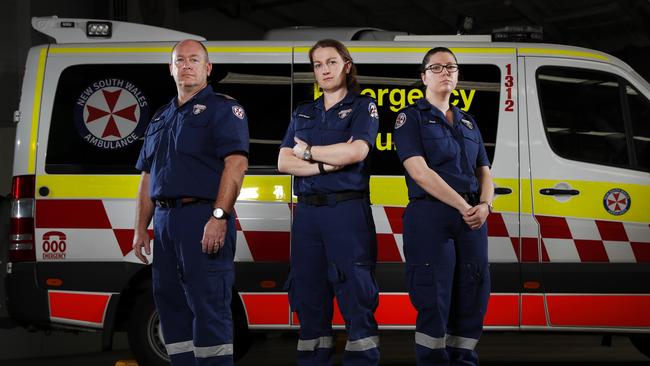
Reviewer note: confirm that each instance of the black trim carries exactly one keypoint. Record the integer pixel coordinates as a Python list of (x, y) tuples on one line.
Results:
[(87, 276), (606, 278), (27, 302), (390, 276)]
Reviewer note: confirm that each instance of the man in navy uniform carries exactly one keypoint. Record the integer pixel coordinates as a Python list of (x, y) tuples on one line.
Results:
[(193, 163)]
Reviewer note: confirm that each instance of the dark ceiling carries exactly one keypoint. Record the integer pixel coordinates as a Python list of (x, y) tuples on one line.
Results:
[(600, 24)]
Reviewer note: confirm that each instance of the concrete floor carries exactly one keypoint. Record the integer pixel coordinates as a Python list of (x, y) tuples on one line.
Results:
[(277, 349)]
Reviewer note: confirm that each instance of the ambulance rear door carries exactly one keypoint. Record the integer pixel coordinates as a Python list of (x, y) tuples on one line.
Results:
[(588, 122)]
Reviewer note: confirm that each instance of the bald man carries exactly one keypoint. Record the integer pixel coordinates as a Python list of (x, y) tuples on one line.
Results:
[(193, 163)]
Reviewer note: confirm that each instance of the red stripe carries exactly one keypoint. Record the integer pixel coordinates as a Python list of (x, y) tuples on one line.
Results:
[(591, 251), (532, 310), (641, 251), (395, 309), (76, 306), (394, 215), (266, 308), (268, 246), (496, 226), (387, 249), (502, 310), (71, 214), (554, 227), (611, 230), (599, 311), (125, 239)]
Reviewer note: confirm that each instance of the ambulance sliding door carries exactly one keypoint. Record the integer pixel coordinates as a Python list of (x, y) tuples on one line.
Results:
[(391, 76), (588, 139), (259, 77)]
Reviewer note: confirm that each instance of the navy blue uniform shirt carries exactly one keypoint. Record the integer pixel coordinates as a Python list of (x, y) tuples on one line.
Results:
[(452, 151), (184, 146), (355, 116)]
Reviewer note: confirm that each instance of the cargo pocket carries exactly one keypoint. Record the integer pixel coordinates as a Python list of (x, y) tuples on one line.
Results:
[(421, 286), (289, 286), (220, 289), (469, 289), (367, 290)]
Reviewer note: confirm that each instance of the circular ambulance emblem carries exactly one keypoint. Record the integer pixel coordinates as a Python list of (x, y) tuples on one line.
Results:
[(111, 113), (617, 201)]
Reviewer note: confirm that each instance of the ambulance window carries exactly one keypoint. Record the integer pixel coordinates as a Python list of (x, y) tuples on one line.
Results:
[(582, 115), (395, 86), (99, 116), (265, 93), (640, 116)]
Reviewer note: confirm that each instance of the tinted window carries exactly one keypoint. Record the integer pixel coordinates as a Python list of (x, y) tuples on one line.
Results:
[(396, 86), (99, 116), (583, 116), (101, 111)]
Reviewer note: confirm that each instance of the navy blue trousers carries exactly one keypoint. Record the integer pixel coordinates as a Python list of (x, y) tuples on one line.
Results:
[(333, 253), (448, 280), (193, 290)]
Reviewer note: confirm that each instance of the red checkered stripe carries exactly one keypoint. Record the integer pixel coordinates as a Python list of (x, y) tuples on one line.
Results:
[(103, 229)]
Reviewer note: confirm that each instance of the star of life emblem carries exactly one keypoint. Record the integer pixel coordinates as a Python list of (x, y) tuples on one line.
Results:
[(111, 113)]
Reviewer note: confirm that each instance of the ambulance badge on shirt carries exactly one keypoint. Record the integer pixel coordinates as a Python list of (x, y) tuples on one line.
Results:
[(372, 110), (467, 123), (238, 111), (198, 108), (401, 119), (344, 113)]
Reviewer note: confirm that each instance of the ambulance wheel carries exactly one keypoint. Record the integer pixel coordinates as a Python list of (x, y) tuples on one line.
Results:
[(642, 343), (144, 334), (242, 339)]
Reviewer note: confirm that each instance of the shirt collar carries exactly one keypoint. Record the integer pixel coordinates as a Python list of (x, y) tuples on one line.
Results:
[(424, 105), (348, 99), (202, 94)]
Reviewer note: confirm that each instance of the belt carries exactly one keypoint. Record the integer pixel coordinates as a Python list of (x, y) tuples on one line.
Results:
[(180, 202), (472, 198), (332, 198)]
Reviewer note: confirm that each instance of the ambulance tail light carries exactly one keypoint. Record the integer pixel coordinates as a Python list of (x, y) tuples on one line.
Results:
[(21, 220)]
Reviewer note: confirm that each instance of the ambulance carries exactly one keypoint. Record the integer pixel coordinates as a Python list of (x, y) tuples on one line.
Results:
[(567, 131)]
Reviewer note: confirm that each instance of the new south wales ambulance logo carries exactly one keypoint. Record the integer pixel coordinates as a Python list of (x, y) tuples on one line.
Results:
[(111, 113), (617, 201)]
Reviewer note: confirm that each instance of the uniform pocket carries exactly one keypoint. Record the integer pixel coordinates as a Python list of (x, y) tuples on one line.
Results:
[(289, 286), (366, 283), (194, 136), (421, 285)]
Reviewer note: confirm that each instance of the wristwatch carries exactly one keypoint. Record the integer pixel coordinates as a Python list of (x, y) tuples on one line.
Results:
[(306, 155), (220, 214)]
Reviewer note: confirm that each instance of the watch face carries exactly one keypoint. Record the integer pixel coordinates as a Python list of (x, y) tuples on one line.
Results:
[(218, 213)]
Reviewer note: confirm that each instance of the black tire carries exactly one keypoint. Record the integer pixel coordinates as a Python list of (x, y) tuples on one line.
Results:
[(642, 343), (144, 335), (147, 344), (242, 339)]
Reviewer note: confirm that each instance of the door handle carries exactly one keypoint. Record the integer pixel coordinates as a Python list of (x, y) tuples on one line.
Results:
[(559, 192), (502, 190)]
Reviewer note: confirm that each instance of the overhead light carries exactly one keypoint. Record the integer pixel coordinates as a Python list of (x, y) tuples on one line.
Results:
[(99, 29)]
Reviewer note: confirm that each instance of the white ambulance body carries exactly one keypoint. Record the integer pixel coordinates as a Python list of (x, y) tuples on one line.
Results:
[(567, 131)]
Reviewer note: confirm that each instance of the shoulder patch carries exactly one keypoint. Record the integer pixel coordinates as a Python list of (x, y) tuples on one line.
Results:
[(238, 111), (401, 120), (372, 110)]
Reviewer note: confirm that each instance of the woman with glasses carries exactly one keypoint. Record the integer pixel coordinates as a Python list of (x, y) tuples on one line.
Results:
[(450, 196), (333, 247)]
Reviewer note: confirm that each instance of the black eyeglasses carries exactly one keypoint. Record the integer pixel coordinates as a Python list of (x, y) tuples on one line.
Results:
[(437, 68)]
